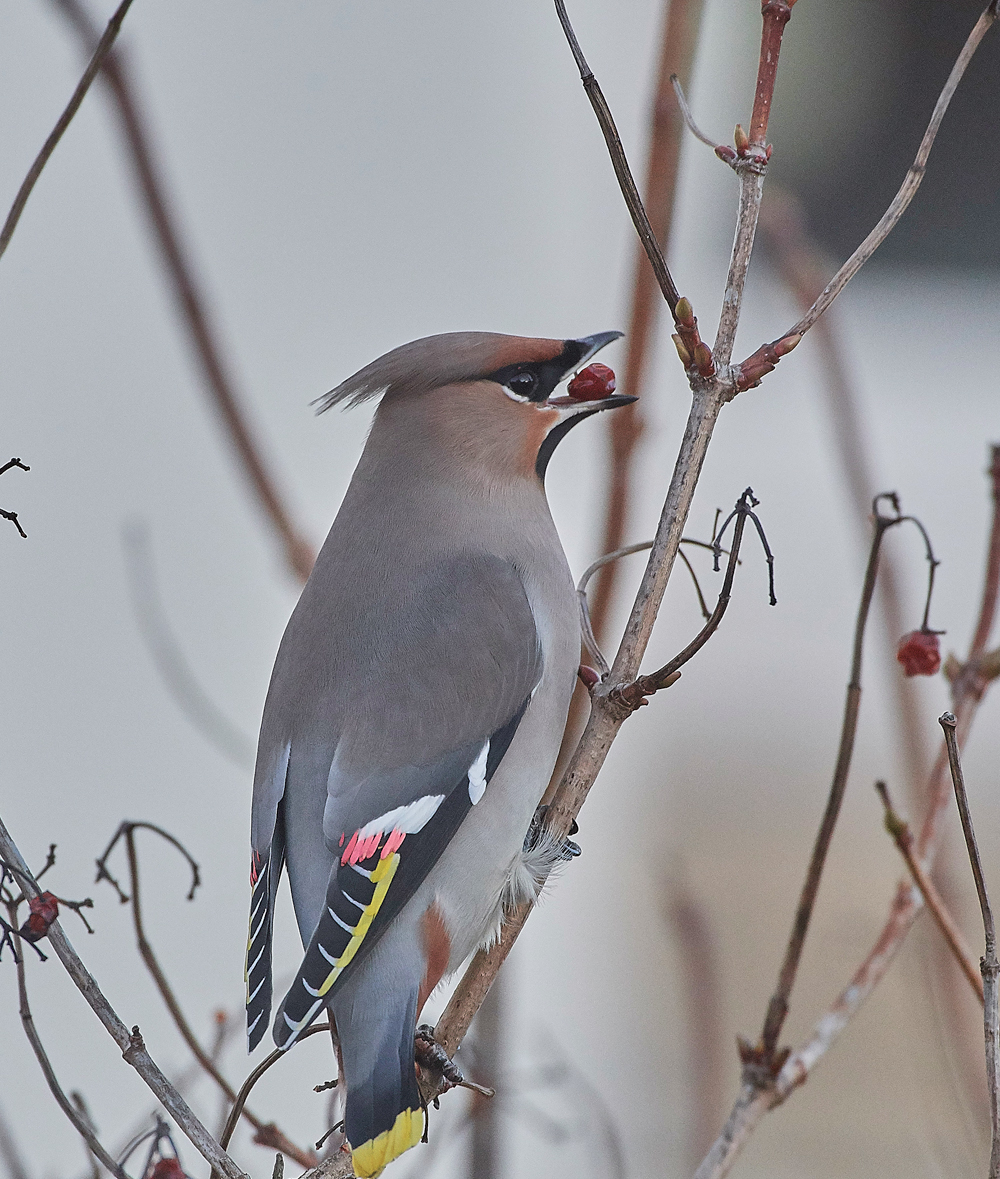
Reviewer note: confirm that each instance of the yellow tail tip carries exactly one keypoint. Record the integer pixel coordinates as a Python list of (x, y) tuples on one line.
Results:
[(371, 1157)]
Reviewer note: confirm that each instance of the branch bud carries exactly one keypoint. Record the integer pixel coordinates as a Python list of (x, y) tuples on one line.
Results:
[(741, 140), (726, 153), (684, 312), (703, 361), (682, 352)]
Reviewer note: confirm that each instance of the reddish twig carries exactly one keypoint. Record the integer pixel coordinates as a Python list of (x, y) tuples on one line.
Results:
[(908, 188), (267, 1133), (100, 51), (191, 299), (776, 14), (899, 829), (679, 40)]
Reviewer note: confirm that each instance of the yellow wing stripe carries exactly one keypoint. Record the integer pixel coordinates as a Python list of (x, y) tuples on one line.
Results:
[(371, 1157), (381, 877)]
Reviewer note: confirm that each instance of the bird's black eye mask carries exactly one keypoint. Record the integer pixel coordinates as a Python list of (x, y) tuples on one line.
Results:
[(536, 382)]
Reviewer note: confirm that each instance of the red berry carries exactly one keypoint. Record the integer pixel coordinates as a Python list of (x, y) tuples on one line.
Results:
[(592, 383), (167, 1169), (919, 653), (44, 910)]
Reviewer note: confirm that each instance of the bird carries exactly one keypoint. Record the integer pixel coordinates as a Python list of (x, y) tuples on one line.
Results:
[(416, 708)]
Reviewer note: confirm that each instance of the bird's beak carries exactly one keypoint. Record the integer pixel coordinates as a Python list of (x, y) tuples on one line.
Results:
[(591, 345)]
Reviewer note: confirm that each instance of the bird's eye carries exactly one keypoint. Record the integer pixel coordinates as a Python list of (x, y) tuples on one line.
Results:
[(522, 384)]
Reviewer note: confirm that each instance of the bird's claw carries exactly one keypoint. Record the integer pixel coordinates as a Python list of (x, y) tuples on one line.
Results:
[(568, 850), (430, 1056)]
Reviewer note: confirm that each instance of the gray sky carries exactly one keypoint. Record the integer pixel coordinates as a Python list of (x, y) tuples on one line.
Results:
[(352, 176)]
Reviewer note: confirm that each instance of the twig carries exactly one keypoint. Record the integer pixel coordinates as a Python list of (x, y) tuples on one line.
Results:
[(765, 1052), (169, 659), (800, 263), (908, 188), (899, 829), (267, 1133), (679, 40), (191, 300), (131, 1043), (619, 161), (760, 1094), (239, 1101), (989, 965), (635, 693), (100, 52), (682, 103), (79, 1122)]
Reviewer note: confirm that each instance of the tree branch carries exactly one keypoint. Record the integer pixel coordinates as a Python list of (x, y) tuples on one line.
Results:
[(899, 829), (989, 965), (191, 300), (131, 1044), (267, 1133), (908, 188), (100, 52)]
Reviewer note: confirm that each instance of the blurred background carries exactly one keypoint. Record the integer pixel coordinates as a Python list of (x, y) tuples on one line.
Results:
[(351, 176)]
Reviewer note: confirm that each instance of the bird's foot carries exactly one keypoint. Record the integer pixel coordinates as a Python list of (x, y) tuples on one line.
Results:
[(567, 850), (431, 1057)]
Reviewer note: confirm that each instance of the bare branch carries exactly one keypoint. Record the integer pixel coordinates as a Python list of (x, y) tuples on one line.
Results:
[(268, 1134), (131, 1043), (989, 965), (101, 51), (908, 188), (681, 24), (722, 150), (760, 1091), (79, 1122), (192, 302), (633, 200), (239, 1100), (766, 1050), (899, 829)]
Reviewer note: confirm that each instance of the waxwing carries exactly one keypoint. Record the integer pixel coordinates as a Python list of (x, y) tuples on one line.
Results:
[(416, 708)]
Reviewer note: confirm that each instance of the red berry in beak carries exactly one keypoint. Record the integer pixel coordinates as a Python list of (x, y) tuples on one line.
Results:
[(592, 383), (919, 653)]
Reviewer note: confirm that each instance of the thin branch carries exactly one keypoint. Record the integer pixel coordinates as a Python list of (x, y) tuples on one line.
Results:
[(801, 265), (267, 1133), (899, 829), (191, 299), (100, 52), (778, 1006), (681, 24), (81, 1108), (725, 152), (761, 1091), (80, 1123), (635, 693), (239, 1100), (619, 161), (131, 1043), (908, 188), (989, 965)]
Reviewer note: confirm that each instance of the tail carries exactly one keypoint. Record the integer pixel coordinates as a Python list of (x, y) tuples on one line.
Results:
[(384, 1115), (265, 871)]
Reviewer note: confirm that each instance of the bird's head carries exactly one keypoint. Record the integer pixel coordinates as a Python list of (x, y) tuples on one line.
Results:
[(490, 400)]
